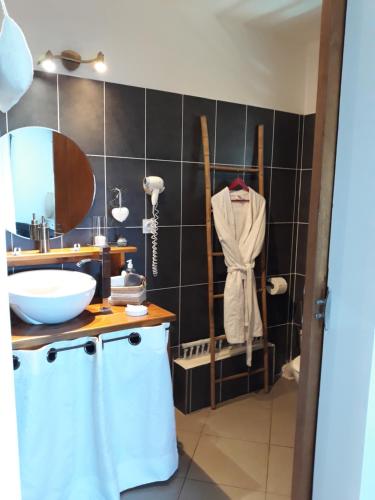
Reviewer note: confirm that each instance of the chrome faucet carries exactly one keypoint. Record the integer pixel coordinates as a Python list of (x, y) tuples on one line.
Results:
[(105, 262)]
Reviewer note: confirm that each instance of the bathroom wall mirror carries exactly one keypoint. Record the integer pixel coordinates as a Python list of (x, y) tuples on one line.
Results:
[(45, 173)]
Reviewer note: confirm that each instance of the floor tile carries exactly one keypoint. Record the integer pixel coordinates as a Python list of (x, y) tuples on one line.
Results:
[(169, 490), (272, 496), (231, 462), (193, 422), (188, 442), (245, 419), (280, 469), (200, 490), (283, 425)]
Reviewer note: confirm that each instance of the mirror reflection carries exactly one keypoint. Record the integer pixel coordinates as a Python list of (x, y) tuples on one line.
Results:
[(45, 174)]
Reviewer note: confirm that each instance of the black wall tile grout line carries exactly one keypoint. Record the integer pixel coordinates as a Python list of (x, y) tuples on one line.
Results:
[(270, 190), (297, 232), (292, 243), (181, 205)]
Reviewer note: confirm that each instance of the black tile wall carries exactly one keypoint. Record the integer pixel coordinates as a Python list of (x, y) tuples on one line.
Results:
[(128, 175), (168, 259), (129, 132), (38, 107), (230, 133), (82, 112), (300, 231), (193, 255), (170, 200), (194, 313), (283, 192), (193, 200), (125, 120), (278, 335), (301, 248), (308, 141), (255, 117), (194, 107), (303, 214), (279, 248), (163, 125), (285, 140)]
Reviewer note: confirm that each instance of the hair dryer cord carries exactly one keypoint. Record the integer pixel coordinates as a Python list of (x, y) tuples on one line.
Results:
[(154, 239)]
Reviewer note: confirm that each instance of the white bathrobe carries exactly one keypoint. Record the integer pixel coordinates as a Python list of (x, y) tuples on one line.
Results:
[(240, 227)]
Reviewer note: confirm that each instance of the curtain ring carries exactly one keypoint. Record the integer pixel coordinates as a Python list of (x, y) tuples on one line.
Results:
[(90, 347), (51, 355), (16, 362), (134, 338)]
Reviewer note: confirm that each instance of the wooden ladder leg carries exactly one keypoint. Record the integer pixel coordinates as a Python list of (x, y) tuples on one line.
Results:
[(263, 262), (211, 319)]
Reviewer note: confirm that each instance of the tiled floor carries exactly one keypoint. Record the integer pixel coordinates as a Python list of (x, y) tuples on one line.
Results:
[(243, 450)]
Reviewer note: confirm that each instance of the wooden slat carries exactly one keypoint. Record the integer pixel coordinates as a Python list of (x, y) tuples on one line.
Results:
[(263, 263), (60, 255), (232, 377), (90, 322), (230, 168), (210, 269), (218, 296), (217, 254), (220, 337)]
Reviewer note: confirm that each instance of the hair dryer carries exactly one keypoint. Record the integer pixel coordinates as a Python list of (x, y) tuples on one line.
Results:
[(153, 185)]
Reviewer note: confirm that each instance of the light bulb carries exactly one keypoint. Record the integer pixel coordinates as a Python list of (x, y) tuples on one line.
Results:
[(47, 63), (99, 65)]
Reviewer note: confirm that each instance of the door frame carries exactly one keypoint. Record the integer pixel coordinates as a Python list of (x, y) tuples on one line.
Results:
[(320, 211)]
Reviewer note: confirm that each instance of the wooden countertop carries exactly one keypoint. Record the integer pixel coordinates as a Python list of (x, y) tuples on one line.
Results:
[(89, 323), (61, 255)]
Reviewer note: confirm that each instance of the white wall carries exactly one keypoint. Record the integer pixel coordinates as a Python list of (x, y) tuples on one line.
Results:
[(181, 46), (311, 76), (345, 438)]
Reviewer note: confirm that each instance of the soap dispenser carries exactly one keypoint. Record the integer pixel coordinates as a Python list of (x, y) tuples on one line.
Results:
[(131, 278)]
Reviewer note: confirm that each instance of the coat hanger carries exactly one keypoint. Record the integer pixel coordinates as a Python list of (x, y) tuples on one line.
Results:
[(238, 182)]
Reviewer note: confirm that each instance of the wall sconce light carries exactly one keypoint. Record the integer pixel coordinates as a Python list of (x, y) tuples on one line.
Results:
[(71, 60)]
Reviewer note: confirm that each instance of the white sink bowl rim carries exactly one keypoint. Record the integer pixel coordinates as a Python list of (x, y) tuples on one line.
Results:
[(50, 295)]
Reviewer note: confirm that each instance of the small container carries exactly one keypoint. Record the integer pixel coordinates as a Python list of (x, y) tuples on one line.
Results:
[(33, 228), (99, 228)]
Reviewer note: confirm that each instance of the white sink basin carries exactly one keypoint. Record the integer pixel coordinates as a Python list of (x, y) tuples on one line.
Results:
[(50, 296)]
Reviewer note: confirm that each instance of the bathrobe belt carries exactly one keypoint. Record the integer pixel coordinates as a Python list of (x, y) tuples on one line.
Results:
[(247, 272)]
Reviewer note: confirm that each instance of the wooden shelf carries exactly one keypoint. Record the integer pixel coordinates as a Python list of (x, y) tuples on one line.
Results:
[(61, 255), (90, 323)]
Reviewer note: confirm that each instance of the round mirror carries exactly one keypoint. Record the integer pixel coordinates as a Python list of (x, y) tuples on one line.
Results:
[(45, 174)]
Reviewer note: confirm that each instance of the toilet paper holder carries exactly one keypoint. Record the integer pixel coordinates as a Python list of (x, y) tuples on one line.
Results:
[(276, 285)]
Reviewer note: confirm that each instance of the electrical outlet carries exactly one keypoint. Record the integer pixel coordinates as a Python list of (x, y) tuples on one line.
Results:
[(147, 226)]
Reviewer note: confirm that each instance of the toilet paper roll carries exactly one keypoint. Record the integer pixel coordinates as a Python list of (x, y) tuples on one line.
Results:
[(277, 286)]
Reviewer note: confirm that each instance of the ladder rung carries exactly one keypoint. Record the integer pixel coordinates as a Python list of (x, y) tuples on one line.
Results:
[(220, 337), (217, 254), (254, 372), (232, 377), (239, 375), (218, 296), (230, 168)]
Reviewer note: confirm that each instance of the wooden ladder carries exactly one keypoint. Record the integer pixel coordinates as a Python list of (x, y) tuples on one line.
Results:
[(259, 170)]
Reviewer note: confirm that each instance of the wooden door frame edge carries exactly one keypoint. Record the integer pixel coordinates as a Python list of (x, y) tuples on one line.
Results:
[(324, 157)]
